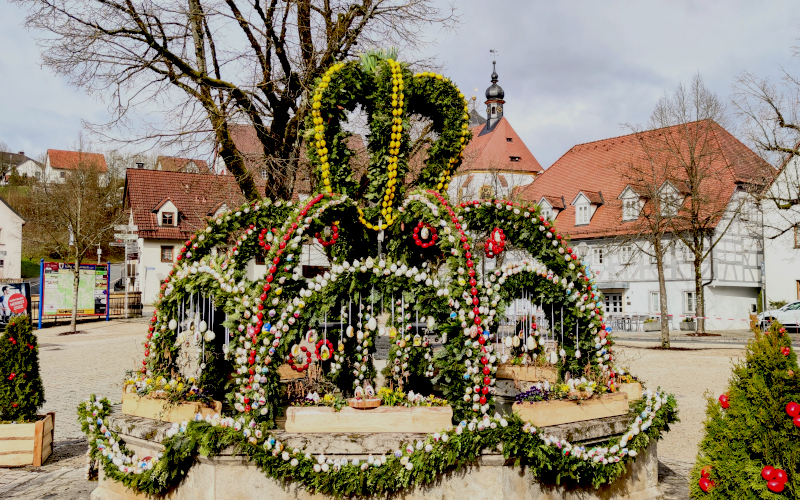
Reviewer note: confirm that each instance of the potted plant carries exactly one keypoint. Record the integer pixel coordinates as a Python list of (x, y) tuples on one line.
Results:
[(652, 325), (688, 325), (25, 437), (574, 401)]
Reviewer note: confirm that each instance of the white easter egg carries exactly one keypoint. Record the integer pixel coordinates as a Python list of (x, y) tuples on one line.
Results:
[(173, 324), (210, 335), (203, 326)]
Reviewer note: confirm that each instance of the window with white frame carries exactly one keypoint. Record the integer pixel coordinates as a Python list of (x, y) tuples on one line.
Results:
[(688, 255), (669, 204), (597, 255), (547, 212), (630, 209), (263, 172), (689, 302), (582, 214), (655, 302), (625, 252)]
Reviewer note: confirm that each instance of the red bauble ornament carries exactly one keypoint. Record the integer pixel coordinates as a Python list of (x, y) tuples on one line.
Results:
[(786, 351), (780, 475), (705, 471), (793, 409), (768, 473), (705, 484), (775, 486), (495, 243), (796, 421), (723, 401)]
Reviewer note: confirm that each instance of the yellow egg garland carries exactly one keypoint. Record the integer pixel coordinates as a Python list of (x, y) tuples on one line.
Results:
[(397, 136)]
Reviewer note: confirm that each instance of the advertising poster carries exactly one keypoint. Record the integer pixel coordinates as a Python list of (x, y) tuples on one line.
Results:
[(15, 300), (59, 291)]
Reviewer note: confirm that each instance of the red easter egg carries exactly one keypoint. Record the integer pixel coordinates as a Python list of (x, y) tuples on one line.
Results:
[(768, 473), (780, 475), (796, 421), (793, 409), (704, 484), (775, 486)]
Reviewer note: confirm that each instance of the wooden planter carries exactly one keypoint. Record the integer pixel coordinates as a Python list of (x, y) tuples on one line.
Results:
[(324, 419), (160, 409), (633, 390), (27, 444), (527, 373), (545, 413)]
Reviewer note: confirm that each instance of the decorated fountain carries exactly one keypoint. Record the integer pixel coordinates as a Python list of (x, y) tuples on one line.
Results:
[(498, 378)]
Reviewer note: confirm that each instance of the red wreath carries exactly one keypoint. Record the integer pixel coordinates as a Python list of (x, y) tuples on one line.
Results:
[(334, 236), (432, 237), (492, 248), (290, 361), (330, 348), (262, 235)]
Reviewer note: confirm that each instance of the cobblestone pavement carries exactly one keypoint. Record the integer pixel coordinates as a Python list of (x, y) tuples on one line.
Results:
[(75, 366)]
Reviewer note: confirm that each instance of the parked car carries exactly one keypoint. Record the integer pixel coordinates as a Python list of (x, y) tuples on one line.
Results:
[(788, 316)]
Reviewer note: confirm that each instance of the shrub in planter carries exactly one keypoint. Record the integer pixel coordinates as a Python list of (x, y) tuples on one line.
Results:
[(751, 448), (21, 389)]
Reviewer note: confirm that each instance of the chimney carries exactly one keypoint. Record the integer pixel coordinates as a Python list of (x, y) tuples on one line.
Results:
[(22, 153), (139, 165)]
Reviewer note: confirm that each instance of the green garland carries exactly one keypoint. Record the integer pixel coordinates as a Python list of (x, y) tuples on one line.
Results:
[(550, 463)]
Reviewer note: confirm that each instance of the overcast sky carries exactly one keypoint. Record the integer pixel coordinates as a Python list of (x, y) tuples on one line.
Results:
[(573, 71)]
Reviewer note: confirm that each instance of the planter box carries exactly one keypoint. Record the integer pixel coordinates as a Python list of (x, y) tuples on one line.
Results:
[(688, 326), (27, 444), (323, 419), (545, 413), (633, 390), (526, 373), (652, 327), (160, 409)]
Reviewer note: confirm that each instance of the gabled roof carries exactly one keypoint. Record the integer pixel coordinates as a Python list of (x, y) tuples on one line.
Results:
[(15, 159), (554, 201), (195, 195), (4, 202), (164, 202), (594, 197), (600, 166), (72, 160), (175, 164), (493, 151)]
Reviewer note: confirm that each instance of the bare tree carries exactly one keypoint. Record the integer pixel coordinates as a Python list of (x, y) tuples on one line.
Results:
[(209, 64), (698, 194), (72, 217), (646, 229)]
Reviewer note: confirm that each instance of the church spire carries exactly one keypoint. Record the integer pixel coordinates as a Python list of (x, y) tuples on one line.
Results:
[(494, 102)]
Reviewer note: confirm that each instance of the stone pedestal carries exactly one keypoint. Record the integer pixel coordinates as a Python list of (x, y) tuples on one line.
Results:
[(228, 477)]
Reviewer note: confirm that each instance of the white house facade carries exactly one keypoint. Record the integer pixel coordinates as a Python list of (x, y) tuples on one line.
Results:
[(10, 242), (782, 236)]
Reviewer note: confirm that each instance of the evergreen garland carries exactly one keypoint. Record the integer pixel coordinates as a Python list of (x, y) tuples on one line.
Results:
[(21, 389)]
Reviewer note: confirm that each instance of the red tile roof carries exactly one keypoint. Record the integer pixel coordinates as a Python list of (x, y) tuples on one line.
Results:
[(175, 164), (493, 151), (72, 160), (600, 166), (197, 196)]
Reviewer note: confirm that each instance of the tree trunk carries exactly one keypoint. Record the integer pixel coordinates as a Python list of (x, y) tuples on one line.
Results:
[(76, 279), (699, 305), (662, 293)]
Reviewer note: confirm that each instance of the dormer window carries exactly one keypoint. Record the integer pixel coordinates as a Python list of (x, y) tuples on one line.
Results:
[(582, 214), (547, 212), (514, 158), (167, 218), (630, 209), (509, 139)]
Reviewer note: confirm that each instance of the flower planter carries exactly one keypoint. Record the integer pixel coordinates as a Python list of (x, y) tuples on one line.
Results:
[(688, 326), (27, 444), (633, 390), (545, 413), (527, 373), (652, 327), (160, 409), (324, 419)]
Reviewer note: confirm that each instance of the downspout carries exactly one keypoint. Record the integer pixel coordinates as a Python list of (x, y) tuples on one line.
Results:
[(704, 285)]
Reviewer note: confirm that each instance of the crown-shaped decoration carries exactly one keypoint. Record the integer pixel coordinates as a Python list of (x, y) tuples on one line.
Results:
[(388, 93)]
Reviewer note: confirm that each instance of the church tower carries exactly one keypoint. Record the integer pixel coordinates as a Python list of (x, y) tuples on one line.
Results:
[(494, 102)]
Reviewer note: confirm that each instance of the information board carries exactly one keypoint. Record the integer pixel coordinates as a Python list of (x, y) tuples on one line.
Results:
[(59, 288)]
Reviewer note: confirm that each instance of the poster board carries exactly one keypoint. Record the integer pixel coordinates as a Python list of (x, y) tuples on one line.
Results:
[(59, 289), (15, 300)]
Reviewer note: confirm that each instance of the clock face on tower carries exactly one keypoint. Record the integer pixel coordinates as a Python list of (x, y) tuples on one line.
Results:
[(488, 110), (499, 109)]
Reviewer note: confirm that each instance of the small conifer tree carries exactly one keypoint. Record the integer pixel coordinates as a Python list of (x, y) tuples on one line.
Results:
[(21, 389), (751, 447)]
